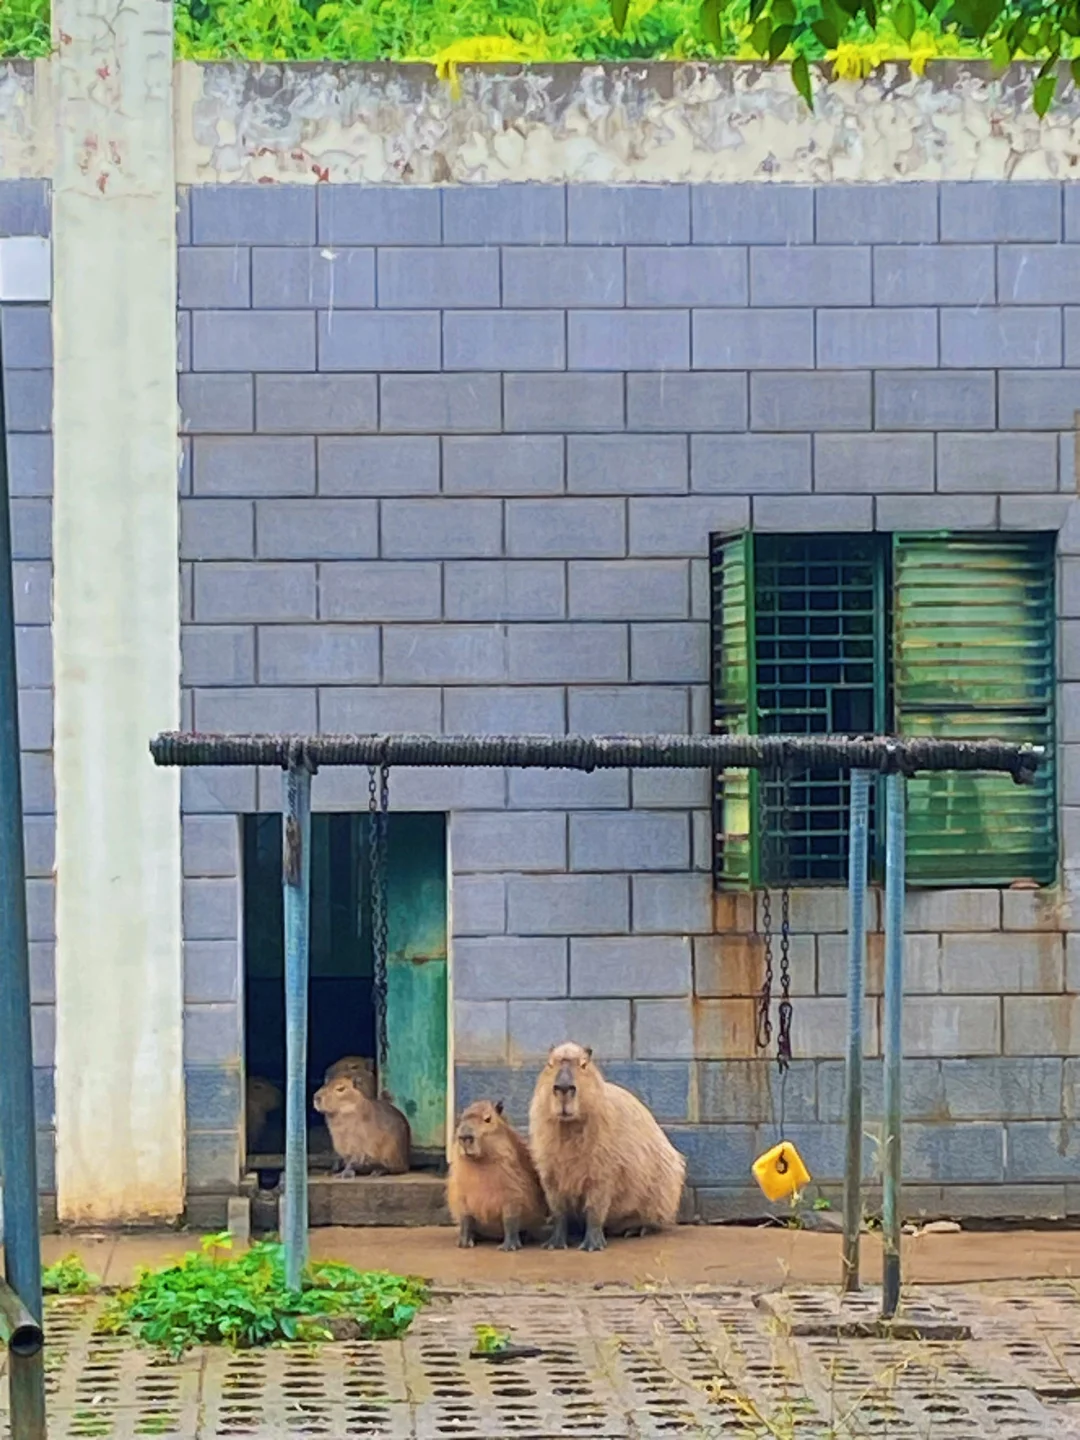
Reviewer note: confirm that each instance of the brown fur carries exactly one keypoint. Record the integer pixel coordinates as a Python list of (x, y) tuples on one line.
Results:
[(599, 1152), (369, 1135), (262, 1099), (493, 1190), (359, 1069)]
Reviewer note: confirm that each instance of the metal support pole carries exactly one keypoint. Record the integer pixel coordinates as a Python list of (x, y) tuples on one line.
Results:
[(18, 1139), (296, 880), (893, 1020), (856, 989), (22, 1335)]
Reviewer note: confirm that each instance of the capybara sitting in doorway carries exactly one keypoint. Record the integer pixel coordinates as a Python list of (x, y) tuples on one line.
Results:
[(358, 1068), (600, 1154), (493, 1191), (371, 1136)]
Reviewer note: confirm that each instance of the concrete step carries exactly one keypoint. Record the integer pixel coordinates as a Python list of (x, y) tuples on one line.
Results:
[(414, 1199)]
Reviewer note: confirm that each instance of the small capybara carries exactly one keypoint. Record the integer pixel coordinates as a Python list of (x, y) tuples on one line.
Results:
[(493, 1189), (358, 1068), (371, 1136), (600, 1154), (262, 1099)]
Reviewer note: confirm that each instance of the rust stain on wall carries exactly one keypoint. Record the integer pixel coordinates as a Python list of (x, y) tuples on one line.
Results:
[(728, 965), (724, 1029), (733, 912)]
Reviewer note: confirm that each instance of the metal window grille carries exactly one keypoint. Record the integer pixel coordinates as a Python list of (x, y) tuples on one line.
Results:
[(820, 663)]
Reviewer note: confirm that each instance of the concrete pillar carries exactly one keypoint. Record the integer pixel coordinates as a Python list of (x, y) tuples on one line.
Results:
[(119, 1066)]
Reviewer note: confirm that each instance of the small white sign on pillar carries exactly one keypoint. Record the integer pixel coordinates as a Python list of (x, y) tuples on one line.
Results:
[(25, 269)]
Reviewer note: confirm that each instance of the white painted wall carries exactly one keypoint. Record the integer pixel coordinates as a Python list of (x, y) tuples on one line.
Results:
[(609, 124), (119, 1068)]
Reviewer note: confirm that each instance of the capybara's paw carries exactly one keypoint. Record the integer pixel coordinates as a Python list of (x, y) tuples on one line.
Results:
[(511, 1242), (465, 1242), (557, 1242), (592, 1243)]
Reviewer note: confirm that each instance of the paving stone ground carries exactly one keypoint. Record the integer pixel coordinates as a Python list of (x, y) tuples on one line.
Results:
[(611, 1363)]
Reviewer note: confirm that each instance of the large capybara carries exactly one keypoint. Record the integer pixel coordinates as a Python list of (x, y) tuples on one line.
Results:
[(261, 1100), (359, 1068), (371, 1136), (600, 1154), (493, 1190)]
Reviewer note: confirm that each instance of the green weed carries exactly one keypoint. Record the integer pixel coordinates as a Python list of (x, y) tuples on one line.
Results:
[(490, 1340), (212, 1297), (68, 1276)]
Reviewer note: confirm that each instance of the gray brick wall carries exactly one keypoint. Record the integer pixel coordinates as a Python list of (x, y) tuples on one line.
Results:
[(454, 460), (27, 346)]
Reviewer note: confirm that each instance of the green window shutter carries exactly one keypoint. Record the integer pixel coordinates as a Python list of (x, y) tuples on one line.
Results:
[(732, 662), (973, 654)]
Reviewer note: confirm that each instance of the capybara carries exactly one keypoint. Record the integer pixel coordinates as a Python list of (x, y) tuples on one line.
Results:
[(371, 1136), (600, 1154), (262, 1099), (359, 1068), (493, 1189)]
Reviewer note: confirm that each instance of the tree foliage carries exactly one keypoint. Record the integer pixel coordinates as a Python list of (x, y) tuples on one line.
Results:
[(1004, 30), (852, 36)]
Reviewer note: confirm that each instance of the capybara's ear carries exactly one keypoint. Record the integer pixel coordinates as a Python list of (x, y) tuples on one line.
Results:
[(588, 1053), (499, 1106)]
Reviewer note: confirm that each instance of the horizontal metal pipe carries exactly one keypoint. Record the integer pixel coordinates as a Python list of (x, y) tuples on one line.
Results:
[(882, 754), (19, 1331)]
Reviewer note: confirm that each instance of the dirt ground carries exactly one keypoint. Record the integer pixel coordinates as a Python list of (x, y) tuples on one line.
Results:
[(689, 1255)]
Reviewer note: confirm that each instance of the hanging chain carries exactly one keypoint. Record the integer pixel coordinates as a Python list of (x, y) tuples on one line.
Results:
[(378, 803), (763, 1018), (783, 1037)]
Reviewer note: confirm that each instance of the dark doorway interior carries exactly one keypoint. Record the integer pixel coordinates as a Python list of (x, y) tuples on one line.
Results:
[(341, 1016)]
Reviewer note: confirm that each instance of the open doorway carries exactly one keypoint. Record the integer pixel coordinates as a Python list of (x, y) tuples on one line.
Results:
[(341, 1001)]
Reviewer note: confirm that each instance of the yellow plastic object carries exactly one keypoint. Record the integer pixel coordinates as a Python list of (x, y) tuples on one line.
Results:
[(780, 1171)]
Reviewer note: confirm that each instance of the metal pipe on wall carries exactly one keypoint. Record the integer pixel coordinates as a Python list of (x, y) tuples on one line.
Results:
[(18, 1137), (296, 882), (856, 988), (893, 1041)]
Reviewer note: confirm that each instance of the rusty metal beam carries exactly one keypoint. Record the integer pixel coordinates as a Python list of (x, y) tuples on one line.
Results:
[(880, 754)]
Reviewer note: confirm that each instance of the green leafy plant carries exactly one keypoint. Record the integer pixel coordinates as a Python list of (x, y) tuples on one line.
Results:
[(24, 28), (68, 1276), (490, 1340), (212, 1297)]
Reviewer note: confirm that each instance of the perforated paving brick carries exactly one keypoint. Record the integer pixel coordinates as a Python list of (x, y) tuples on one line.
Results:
[(562, 1391), (824, 1311), (613, 1364)]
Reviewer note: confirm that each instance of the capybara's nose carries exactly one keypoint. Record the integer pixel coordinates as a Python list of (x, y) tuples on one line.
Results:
[(565, 1090)]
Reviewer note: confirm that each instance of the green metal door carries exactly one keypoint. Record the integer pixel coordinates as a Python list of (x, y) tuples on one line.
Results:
[(416, 999)]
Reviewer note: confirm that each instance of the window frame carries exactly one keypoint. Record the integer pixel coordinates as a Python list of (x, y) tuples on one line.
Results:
[(735, 708)]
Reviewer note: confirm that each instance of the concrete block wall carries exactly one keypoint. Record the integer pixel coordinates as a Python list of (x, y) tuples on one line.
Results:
[(453, 458), (27, 350)]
